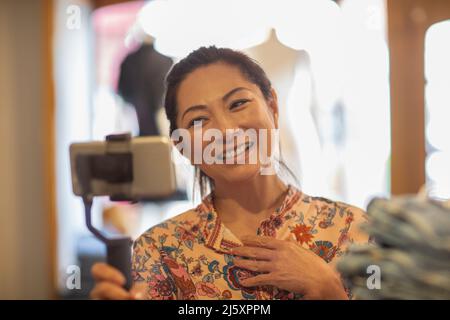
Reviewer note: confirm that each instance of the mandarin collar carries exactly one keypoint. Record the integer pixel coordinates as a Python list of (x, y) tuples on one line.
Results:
[(218, 237)]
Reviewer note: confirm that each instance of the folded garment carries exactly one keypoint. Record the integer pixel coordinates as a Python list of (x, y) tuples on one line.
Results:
[(411, 250)]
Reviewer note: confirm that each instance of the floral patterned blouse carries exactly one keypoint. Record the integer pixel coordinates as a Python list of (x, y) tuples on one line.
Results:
[(188, 256)]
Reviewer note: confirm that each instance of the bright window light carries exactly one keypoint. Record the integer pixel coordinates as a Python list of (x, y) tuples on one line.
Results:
[(437, 95)]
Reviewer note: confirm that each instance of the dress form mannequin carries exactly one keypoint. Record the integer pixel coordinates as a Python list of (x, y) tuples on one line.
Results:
[(141, 84), (279, 62)]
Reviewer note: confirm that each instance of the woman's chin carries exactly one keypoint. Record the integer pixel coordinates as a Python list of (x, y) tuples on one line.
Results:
[(237, 172)]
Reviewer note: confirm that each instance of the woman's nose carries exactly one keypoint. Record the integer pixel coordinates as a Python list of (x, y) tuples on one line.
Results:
[(225, 124)]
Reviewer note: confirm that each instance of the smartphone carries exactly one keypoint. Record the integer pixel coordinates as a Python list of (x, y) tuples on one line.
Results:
[(139, 168)]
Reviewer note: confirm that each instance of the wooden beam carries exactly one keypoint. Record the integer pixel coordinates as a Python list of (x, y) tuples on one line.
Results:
[(49, 184)]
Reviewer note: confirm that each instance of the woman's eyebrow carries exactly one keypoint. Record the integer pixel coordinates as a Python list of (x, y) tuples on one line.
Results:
[(193, 108), (231, 92)]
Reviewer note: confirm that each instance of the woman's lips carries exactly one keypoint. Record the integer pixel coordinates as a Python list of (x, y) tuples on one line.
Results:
[(235, 152)]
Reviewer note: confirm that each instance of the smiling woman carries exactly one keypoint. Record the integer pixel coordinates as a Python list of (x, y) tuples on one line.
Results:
[(240, 91), (254, 236)]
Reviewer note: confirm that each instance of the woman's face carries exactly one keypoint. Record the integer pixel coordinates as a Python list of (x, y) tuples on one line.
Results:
[(219, 97)]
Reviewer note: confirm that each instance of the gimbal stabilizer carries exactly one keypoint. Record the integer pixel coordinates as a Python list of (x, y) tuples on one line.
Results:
[(114, 167)]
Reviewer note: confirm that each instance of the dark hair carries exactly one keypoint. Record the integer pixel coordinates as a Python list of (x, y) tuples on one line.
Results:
[(205, 56)]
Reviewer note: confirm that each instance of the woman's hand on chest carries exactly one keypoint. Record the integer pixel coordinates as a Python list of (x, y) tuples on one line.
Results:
[(287, 265)]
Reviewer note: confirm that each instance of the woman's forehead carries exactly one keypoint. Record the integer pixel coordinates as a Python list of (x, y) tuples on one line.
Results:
[(210, 83)]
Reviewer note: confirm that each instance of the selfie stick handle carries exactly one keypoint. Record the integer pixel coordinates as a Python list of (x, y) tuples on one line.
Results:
[(118, 255), (118, 250)]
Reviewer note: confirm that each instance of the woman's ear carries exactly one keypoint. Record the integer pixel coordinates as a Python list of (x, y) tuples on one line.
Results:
[(273, 105)]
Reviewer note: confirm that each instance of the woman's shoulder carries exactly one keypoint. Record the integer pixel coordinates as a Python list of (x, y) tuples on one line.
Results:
[(327, 205), (342, 217), (323, 204)]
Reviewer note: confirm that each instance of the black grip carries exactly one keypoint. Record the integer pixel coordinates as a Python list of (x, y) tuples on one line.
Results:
[(119, 256)]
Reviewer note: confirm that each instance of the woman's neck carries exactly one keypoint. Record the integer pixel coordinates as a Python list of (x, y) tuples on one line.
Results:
[(255, 198)]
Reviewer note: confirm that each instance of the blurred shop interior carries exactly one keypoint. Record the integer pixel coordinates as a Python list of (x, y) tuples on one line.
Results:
[(363, 88)]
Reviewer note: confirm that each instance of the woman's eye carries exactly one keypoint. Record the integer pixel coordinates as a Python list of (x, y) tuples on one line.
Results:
[(196, 121), (238, 103)]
